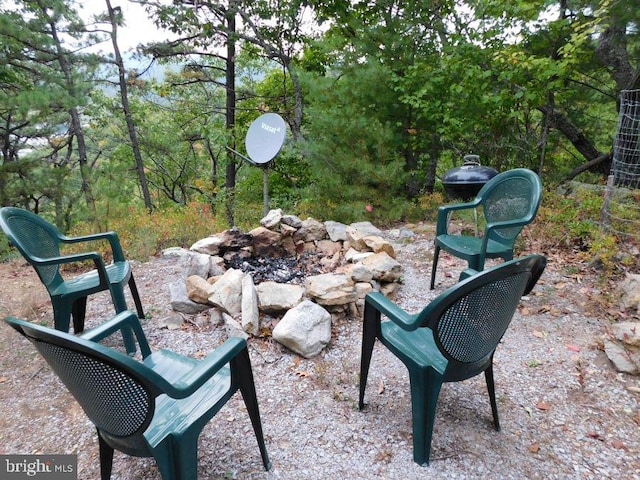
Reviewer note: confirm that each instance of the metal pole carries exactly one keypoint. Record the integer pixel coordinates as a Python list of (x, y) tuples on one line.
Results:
[(604, 213), (265, 189)]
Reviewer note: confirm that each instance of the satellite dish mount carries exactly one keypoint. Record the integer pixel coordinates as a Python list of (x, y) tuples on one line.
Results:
[(263, 142)]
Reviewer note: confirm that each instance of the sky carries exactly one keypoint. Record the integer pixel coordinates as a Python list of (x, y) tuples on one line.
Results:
[(138, 27)]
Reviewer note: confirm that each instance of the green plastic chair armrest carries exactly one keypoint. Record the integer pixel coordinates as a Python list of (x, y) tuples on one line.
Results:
[(466, 273), (116, 324), (444, 210), (397, 315), (206, 368), (112, 237), (77, 257)]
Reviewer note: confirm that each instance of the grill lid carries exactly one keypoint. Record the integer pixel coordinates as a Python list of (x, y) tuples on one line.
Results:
[(471, 172)]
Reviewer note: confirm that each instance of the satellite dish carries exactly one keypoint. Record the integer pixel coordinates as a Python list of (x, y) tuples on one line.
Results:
[(265, 138)]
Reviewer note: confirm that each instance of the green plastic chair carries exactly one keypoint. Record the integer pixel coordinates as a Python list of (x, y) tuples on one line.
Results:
[(39, 243), (452, 339), (156, 407), (509, 201)]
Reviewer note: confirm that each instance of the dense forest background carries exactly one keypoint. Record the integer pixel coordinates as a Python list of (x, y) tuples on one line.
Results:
[(380, 97)]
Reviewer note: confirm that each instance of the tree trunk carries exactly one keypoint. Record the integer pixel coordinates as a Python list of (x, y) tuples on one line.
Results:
[(577, 138), (230, 116), (76, 124), (124, 97)]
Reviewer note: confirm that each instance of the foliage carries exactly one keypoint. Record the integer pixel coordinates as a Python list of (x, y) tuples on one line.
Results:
[(571, 223), (143, 235)]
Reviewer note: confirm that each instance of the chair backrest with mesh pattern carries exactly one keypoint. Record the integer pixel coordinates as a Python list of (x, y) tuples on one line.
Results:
[(116, 399), (33, 237), (470, 318), (511, 195), (470, 329)]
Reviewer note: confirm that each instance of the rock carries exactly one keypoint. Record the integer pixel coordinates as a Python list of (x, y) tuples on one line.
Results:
[(328, 248), (362, 288), (337, 231), (226, 293), (209, 245), (384, 268), (390, 290), (623, 347), (215, 316), (292, 221), (311, 230), (357, 271), (630, 292), (233, 327), (234, 239), (366, 228), (216, 266), (355, 256), (355, 239), (180, 301), (272, 219), (266, 243), (170, 322), (378, 244), (276, 297), (627, 333), (331, 289), (197, 264), (198, 289), (305, 329), (250, 313), (620, 358), (175, 252)]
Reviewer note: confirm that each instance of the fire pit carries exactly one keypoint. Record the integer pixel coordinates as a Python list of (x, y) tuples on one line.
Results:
[(466, 181), (277, 269)]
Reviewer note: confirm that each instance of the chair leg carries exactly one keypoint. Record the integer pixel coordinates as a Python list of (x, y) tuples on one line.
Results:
[(61, 316), (106, 458), (436, 254), (425, 390), (370, 330), (136, 297), (120, 304), (177, 457), (488, 375), (243, 377), (78, 311)]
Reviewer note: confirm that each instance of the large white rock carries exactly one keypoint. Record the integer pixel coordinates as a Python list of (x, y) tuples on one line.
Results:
[(305, 329)]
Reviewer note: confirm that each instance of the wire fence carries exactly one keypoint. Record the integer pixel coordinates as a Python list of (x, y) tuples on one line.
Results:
[(621, 208)]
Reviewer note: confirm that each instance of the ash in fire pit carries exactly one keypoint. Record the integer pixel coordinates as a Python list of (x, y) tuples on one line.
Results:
[(292, 269)]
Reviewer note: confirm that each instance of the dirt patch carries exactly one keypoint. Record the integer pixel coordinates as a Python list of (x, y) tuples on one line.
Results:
[(565, 412)]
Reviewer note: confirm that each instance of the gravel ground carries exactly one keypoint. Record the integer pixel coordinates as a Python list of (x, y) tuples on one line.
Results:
[(565, 413)]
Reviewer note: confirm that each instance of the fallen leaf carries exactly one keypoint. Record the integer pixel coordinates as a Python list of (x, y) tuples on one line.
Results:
[(595, 435), (534, 447), (543, 405), (573, 348), (539, 334), (3, 379), (380, 387), (618, 444)]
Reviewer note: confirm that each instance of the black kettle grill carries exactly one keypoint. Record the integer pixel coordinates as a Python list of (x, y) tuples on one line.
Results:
[(466, 181)]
